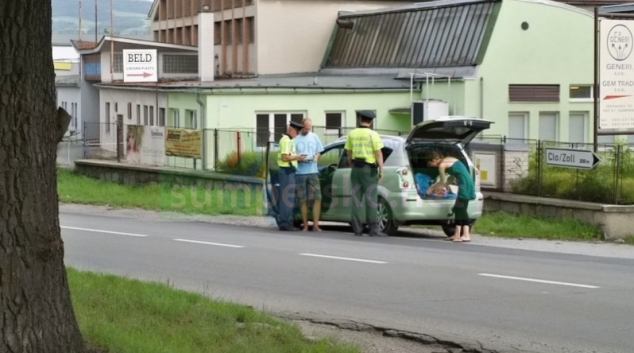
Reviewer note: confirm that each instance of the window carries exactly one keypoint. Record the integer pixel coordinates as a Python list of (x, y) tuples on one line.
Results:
[(138, 114), (227, 31), (176, 118), (331, 156), (217, 33), (334, 123), (117, 61), (272, 126), (145, 115), (577, 127), (239, 31), (581, 93), (534, 93), (107, 117), (161, 117), (192, 121), (548, 126), (518, 123), (129, 111), (151, 115), (74, 115), (251, 29), (180, 64)]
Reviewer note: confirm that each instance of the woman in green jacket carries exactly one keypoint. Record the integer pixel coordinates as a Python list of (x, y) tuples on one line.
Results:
[(466, 191)]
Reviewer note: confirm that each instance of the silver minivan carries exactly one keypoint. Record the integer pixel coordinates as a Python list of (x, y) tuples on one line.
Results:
[(402, 200)]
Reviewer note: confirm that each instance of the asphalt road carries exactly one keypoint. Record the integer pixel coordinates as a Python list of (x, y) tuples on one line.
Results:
[(502, 298)]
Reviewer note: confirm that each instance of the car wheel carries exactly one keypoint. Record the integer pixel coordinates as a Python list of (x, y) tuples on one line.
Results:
[(386, 218), (450, 229)]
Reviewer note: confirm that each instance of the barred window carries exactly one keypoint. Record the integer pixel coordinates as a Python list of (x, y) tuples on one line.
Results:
[(117, 63), (180, 64)]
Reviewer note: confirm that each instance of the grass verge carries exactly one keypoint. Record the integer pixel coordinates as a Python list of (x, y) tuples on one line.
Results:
[(73, 188), (122, 315), (501, 224)]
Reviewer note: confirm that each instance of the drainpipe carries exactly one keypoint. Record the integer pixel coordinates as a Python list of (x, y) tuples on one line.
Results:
[(481, 98), (203, 125)]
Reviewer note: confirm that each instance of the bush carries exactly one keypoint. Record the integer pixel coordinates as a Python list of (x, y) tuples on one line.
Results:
[(595, 185), (249, 164)]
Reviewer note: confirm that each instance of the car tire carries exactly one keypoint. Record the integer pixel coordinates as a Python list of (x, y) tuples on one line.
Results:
[(386, 218), (450, 228)]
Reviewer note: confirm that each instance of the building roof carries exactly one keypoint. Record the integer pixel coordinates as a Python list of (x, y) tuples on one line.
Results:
[(446, 33), (120, 42), (306, 81)]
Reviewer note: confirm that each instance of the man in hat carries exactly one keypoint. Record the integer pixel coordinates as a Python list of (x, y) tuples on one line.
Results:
[(287, 162), (364, 154)]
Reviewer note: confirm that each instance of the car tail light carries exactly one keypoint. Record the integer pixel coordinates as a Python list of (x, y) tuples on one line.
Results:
[(405, 178)]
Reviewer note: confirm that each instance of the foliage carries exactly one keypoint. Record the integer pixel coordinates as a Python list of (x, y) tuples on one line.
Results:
[(597, 185), (127, 315), (249, 164)]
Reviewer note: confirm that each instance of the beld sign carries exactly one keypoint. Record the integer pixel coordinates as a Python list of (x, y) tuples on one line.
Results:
[(140, 65)]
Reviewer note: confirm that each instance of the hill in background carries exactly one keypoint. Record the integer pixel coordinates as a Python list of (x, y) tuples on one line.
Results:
[(130, 17)]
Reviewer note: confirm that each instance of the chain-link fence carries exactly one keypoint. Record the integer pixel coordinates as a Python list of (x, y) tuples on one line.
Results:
[(562, 169)]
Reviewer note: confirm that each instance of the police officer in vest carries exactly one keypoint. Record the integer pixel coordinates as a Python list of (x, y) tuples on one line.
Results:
[(364, 154), (287, 162)]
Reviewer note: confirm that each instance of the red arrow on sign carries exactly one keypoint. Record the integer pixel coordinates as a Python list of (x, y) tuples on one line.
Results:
[(145, 74), (615, 97)]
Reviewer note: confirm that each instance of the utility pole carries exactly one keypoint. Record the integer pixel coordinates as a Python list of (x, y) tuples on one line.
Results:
[(96, 23), (80, 20), (111, 42)]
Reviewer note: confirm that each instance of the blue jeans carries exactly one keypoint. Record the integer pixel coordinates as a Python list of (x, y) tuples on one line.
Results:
[(287, 200)]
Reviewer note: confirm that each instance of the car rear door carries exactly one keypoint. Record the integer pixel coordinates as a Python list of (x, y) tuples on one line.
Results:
[(271, 186)]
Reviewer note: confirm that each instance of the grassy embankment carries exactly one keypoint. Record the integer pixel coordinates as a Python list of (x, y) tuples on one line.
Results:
[(118, 315), (73, 188)]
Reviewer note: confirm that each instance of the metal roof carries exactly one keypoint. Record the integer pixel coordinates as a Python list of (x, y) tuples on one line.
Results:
[(307, 81), (447, 33)]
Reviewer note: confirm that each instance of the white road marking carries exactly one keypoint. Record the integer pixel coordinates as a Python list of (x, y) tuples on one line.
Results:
[(208, 243), (344, 258), (104, 231), (539, 281)]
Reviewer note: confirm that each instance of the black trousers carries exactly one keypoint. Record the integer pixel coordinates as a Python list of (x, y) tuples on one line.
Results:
[(460, 211), (363, 181)]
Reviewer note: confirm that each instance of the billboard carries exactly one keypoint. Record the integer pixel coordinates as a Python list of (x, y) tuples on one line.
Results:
[(145, 145), (183, 143), (616, 77)]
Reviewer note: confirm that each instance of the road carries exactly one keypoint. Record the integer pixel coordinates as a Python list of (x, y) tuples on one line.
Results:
[(504, 299)]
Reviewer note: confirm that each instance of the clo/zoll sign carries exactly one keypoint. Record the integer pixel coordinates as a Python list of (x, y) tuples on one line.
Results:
[(140, 65), (571, 158)]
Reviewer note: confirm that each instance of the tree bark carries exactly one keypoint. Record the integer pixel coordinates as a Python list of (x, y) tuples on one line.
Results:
[(36, 313)]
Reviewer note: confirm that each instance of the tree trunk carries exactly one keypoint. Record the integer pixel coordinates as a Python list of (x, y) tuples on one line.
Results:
[(36, 313)]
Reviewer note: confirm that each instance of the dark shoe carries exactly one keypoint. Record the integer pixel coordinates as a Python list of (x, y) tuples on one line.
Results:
[(358, 234), (378, 234), (289, 229)]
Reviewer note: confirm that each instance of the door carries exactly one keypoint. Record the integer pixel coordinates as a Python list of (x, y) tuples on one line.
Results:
[(272, 184), (328, 166)]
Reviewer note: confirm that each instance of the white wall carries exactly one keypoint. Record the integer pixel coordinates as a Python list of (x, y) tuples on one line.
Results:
[(70, 95), (292, 36), (119, 99)]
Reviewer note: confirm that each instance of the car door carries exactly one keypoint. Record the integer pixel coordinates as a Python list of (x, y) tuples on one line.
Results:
[(342, 189), (271, 186), (328, 165)]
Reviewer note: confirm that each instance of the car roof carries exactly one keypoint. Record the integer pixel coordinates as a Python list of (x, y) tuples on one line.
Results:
[(383, 137)]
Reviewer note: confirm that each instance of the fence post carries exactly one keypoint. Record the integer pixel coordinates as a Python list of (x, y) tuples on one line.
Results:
[(617, 172), (215, 149), (539, 168), (239, 138)]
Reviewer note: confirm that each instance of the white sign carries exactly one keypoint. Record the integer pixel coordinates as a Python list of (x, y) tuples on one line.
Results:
[(145, 145), (486, 164), (571, 158), (616, 76), (140, 65)]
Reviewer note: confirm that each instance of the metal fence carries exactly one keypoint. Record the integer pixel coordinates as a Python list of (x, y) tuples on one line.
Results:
[(524, 167), (514, 165)]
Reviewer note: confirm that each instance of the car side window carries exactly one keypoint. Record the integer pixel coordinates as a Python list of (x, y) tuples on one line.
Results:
[(330, 156)]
